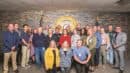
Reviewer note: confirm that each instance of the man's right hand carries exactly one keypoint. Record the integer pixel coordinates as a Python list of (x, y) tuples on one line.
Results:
[(13, 48)]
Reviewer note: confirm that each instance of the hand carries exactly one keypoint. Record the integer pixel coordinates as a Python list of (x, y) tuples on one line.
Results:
[(106, 49), (13, 48), (84, 62), (115, 46), (28, 45)]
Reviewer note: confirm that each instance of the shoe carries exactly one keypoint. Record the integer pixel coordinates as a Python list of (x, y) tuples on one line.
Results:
[(116, 67), (90, 70), (28, 66), (121, 71), (16, 71)]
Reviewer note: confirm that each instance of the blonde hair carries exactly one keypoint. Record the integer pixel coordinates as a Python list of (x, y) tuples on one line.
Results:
[(52, 41)]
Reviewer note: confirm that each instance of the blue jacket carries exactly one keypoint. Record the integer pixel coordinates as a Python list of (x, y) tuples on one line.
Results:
[(10, 39), (39, 40), (99, 39)]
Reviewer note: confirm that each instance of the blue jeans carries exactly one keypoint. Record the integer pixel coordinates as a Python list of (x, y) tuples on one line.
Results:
[(39, 56), (110, 55)]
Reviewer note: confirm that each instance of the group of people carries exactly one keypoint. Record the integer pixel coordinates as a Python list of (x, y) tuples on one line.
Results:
[(84, 49)]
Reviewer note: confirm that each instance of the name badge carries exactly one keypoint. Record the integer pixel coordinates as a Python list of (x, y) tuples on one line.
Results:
[(80, 55)]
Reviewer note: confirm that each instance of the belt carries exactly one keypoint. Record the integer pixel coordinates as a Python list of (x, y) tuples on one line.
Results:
[(103, 44)]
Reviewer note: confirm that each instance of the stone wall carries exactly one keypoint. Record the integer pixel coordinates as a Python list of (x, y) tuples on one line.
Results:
[(49, 17)]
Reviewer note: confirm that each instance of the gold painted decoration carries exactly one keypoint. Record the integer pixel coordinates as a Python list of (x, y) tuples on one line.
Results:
[(66, 22)]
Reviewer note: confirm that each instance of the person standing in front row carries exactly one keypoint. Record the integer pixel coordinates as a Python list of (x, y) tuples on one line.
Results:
[(82, 57), (25, 46), (119, 48), (52, 58), (10, 45), (65, 57), (39, 43)]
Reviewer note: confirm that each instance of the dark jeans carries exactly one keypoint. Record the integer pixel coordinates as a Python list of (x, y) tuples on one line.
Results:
[(97, 56), (19, 54), (81, 68), (65, 70)]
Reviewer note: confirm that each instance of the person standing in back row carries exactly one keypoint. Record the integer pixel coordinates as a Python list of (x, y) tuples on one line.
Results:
[(65, 37), (119, 49), (19, 54), (25, 46), (110, 52), (39, 43), (98, 44), (10, 46), (104, 47), (90, 42)]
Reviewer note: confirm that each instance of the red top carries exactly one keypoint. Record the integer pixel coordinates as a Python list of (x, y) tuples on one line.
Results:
[(65, 38)]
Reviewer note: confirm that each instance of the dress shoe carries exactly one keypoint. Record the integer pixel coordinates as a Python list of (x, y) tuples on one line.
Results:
[(116, 67), (121, 71), (16, 71)]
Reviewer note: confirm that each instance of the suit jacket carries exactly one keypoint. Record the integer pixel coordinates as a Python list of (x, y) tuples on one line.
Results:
[(120, 41)]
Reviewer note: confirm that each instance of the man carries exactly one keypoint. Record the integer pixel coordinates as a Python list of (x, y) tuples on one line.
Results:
[(50, 36), (39, 43), (19, 54), (104, 47), (10, 45), (74, 38), (98, 43), (119, 46), (78, 28), (57, 35), (25, 46), (45, 31), (82, 57), (110, 53)]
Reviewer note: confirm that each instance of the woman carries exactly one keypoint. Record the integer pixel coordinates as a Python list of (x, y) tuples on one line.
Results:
[(74, 38), (65, 57), (65, 37), (32, 52), (52, 58), (83, 34), (90, 42)]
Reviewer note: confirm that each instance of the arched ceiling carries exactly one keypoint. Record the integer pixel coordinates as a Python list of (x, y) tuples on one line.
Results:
[(92, 5)]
